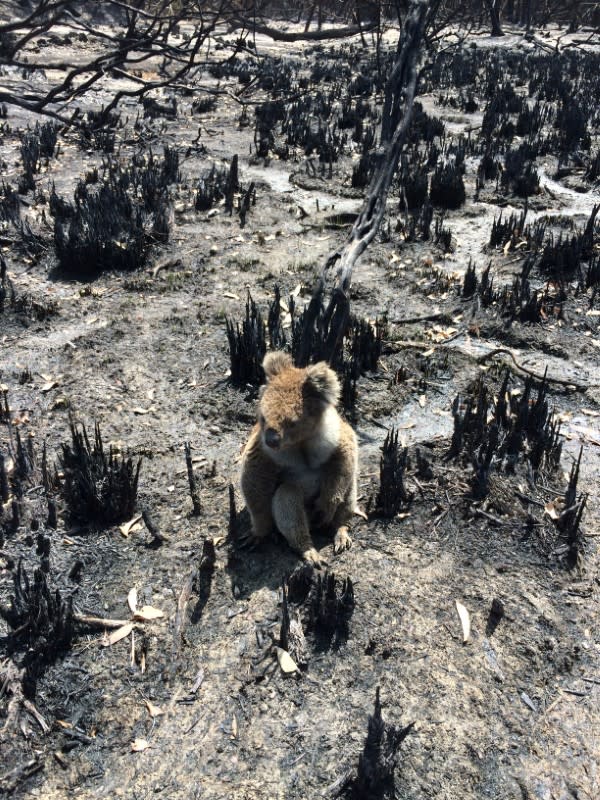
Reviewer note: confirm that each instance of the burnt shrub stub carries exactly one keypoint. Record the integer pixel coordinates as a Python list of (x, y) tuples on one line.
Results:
[(113, 226), (97, 487), (39, 619)]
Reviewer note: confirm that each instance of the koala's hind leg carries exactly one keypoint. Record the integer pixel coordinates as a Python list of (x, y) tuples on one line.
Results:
[(290, 517)]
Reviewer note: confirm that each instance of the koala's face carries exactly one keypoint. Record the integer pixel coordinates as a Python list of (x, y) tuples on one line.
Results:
[(293, 401)]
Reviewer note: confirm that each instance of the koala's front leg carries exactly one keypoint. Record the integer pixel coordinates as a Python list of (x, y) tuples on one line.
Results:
[(258, 482), (291, 519)]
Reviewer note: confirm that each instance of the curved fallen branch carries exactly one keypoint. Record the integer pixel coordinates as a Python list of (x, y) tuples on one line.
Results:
[(580, 387)]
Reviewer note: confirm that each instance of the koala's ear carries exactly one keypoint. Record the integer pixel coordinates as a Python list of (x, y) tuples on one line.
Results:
[(322, 382), (276, 362)]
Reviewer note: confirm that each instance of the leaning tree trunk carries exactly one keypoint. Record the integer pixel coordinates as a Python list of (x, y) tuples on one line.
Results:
[(397, 111)]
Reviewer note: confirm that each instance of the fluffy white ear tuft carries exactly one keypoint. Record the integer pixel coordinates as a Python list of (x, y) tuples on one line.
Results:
[(276, 362), (323, 383)]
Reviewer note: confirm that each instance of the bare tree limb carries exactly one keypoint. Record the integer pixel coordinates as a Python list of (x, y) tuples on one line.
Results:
[(140, 35)]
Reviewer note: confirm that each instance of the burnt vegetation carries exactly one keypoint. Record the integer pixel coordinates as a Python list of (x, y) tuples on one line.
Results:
[(97, 486), (161, 170), (112, 225)]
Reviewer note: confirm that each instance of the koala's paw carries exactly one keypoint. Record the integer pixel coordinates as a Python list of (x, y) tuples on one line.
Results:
[(342, 541), (312, 557)]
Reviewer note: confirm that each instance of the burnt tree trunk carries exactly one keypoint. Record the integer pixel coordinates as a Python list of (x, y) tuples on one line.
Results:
[(399, 97), (493, 7)]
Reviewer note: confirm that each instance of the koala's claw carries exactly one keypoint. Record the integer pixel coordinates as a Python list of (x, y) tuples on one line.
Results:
[(342, 541)]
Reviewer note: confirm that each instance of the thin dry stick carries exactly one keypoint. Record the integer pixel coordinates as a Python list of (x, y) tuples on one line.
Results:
[(99, 622), (581, 387), (192, 480)]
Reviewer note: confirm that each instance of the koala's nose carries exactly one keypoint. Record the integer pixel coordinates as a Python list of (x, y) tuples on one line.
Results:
[(272, 438)]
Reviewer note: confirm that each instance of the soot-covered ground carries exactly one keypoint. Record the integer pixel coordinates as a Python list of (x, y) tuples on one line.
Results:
[(128, 253)]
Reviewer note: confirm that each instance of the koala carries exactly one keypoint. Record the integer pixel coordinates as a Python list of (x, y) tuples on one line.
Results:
[(300, 464)]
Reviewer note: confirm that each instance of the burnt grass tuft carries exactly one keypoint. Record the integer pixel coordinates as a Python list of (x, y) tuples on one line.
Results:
[(97, 487), (375, 775), (39, 619), (113, 226)]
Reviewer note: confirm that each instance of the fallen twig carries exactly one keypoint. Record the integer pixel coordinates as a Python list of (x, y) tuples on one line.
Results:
[(152, 527), (528, 499), (581, 387), (441, 315), (12, 682), (481, 513), (28, 706), (99, 622)]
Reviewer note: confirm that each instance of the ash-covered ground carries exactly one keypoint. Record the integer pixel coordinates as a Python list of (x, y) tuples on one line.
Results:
[(473, 357)]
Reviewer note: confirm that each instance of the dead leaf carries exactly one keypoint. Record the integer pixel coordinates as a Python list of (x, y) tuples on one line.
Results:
[(234, 727), (148, 613), (132, 600), (528, 701), (588, 412), (127, 527), (465, 621), (48, 386), (231, 295), (141, 411), (64, 724), (197, 681), (154, 711), (117, 635), (139, 745), (286, 662), (554, 508), (422, 401)]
